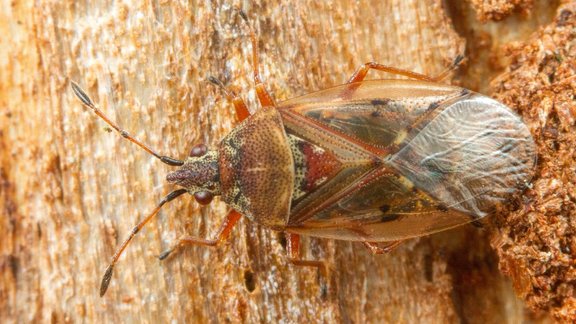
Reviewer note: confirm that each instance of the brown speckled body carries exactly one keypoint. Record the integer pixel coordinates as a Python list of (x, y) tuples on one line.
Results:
[(389, 160)]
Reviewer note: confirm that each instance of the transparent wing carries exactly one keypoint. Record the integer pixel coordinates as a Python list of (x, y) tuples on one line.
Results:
[(471, 156), (462, 155), (387, 209)]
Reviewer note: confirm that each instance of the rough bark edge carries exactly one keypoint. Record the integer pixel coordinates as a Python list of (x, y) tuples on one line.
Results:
[(536, 242), (497, 10)]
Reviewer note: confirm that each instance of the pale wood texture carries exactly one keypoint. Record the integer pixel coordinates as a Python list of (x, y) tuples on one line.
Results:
[(71, 190)]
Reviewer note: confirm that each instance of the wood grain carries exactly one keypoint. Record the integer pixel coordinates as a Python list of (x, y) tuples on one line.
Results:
[(71, 190)]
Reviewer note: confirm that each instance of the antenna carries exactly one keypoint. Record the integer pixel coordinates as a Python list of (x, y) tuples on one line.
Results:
[(88, 102), (108, 274)]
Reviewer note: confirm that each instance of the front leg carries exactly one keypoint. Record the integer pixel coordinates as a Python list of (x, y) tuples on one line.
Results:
[(222, 234), (242, 111)]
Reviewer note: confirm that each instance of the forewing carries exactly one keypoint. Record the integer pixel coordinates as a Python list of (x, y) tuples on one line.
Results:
[(460, 155), (375, 112), (472, 156), (387, 208)]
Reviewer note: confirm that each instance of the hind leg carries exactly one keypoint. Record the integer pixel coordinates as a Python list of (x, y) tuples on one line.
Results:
[(381, 248), (362, 71)]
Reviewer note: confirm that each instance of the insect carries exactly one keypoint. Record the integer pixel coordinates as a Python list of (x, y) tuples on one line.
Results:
[(376, 162)]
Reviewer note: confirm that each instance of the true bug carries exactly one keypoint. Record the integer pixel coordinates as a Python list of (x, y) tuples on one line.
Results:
[(368, 161)]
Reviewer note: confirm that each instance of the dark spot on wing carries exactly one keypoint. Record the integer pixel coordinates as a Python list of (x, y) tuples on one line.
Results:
[(389, 218), (477, 223), (433, 106), (442, 207), (384, 208), (379, 102), (376, 113)]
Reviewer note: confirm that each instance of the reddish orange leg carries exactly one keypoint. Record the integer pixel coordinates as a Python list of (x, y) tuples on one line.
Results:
[(263, 95), (293, 247), (221, 235), (242, 111), (375, 247), (361, 72), (381, 248)]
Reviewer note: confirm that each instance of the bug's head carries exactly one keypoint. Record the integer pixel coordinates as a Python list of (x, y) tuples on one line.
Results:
[(199, 174)]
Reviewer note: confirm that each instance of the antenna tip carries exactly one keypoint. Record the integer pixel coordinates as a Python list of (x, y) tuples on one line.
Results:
[(164, 254), (458, 59), (243, 15), (106, 280), (213, 80), (81, 94)]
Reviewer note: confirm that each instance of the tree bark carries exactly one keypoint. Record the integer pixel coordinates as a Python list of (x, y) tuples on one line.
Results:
[(72, 189)]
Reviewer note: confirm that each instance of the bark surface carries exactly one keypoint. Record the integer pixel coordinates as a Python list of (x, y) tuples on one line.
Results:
[(71, 189)]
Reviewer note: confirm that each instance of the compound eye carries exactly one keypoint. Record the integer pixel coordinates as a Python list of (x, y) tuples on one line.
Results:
[(203, 197), (198, 150)]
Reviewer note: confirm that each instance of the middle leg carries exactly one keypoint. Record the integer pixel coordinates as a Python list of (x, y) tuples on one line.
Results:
[(223, 233)]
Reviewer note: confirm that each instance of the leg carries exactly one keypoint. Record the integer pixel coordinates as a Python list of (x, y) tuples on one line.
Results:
[(361, 72), (223, 233), (294, 254), (241, 109), (263, 95), (375, 248)]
